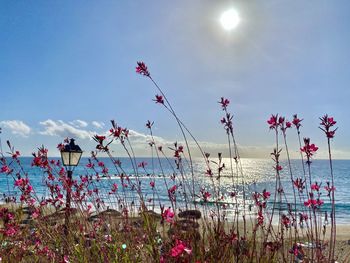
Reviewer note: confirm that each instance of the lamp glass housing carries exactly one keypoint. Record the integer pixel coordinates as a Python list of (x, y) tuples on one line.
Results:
[(71, 158)]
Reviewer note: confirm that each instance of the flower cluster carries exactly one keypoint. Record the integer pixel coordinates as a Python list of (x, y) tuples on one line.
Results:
[(159, 99), (299, 183), (309, 149), (168, 215), (276, 122), (142, 69), (296, 122), (326, 124), (179, 248), (118, 132)]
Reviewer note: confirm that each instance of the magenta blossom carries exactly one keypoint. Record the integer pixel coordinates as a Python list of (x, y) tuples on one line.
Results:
[(142, 164), (142, 69), (159, 99), (313, 203), (329, 189), (279, 168), (224, 103), (172, 189), (285, 221), (326, 124), (179, 248), (315, 187), (308, 149), (266, 195), (299, 184), (5, 169), (168, 215), (273, 121), (296, 121)]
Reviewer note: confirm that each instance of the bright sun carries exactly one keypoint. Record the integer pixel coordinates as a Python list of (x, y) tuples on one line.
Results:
[(229, 19)]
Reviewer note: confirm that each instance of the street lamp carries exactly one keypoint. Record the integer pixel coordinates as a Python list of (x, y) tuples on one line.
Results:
[(70, 155)]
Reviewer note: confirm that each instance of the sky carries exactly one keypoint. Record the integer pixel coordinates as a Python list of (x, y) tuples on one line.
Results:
[(68, 67)]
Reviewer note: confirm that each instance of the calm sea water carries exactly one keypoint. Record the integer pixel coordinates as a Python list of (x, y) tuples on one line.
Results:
[(258, 174)]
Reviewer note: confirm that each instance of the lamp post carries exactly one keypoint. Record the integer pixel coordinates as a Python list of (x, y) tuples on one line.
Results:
[(70, 156)]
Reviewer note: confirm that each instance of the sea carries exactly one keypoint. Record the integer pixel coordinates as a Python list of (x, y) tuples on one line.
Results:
[(255, 175)]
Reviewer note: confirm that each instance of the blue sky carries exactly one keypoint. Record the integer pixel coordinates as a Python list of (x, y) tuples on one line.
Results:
[(63, 61)]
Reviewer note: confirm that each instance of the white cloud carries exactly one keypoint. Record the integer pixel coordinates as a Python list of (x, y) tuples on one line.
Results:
[(17, 127), (137, 137), (79, 123), (97, 124), (63, 129)]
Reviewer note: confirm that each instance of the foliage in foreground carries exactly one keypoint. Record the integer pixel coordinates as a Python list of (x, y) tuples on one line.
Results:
[(184, 228)]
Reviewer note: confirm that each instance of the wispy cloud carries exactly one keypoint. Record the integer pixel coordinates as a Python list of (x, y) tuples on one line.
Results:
[(16, 127), (138, 137), (140, 141), (98, 125), (63, 129), (79, 123)]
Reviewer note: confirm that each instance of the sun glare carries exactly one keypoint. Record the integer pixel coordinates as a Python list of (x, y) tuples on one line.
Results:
[(229, 19)]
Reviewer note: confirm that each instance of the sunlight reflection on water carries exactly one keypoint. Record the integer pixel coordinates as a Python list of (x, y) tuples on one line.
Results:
[(257, 174)]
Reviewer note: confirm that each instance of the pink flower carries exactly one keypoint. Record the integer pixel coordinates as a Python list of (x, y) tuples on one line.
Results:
[(279, 168), (90, 165), (206, 195), (10, 216), (159, 99), (266, 194), (224, 103), (5, 169), (142, 164), (284, 125), (330, 134), (299, 184), (320, 202), (10, 231), (329, 188), (296, 121), (66, 259), (152, 184), (114, 188), (326, 124), (172, 189), (308, 149), (168, 215), (273, 121), (281, 120), (260, 217), (99, 139), (21, 182), (303, 217), (179, 248), (310, 203), (149, 124), (15, 155), (60, 147), (36, 213), (314, 203), (285, 221), (209, 172), (315, 187), (142, 69)]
